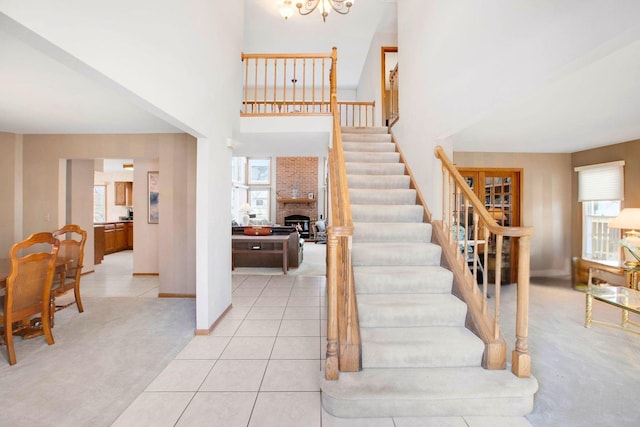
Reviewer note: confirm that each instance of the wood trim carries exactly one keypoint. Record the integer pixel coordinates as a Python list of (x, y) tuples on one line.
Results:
[(214, 324), (383, 79), (146, 274), (176, 295)]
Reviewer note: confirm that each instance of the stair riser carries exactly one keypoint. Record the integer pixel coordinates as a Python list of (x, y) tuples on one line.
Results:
[(449, 406), (377, 147), (375, 168), (364, 129), (409, 316), (382, 197), (402, 283), (368, 137), (381, 213), (419, 256), (392, 232), (378, 182), (356, 157), (418, 355)]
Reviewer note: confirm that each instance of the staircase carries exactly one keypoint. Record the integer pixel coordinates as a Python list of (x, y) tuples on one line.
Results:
[(418, 358)]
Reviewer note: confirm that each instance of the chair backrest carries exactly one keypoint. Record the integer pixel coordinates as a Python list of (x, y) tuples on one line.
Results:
[(72, 240), (29, 283)]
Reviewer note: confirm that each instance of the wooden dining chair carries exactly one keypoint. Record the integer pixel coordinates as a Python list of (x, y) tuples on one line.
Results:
[(28, 288), (72, 240)]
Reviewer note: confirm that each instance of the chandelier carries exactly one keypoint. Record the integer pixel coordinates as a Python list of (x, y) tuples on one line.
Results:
[(306, 7)]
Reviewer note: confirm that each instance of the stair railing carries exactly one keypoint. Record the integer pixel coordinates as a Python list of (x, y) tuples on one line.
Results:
[(460, 203), (393, 114), (343, 328), (356, 113)]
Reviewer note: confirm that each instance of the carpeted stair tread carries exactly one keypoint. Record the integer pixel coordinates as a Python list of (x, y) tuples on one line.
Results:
[(375, 157), (367, 137), (378, 181), (364, 129), (371, 196), (420, 347), (402, 280), (410, 310), (369, 147), (392, 232), (370, 168), (396, 253), (387, 213), (428, 392)]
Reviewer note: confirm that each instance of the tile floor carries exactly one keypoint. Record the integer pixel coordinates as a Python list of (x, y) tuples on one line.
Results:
[(260, 367)]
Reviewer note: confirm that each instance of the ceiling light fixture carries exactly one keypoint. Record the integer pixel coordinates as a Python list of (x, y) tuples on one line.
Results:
[(306, 7)]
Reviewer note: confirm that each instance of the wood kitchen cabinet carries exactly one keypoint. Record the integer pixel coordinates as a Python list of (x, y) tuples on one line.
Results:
[(130, 235), (109, 238), (123, 193), (118, 236)]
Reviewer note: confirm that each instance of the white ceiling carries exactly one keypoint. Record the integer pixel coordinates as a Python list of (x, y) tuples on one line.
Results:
[(592, 105)]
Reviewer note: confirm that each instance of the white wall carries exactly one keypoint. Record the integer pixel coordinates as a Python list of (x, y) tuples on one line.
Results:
[(80, 201), (370, 86), (182, 64), (11, 193)]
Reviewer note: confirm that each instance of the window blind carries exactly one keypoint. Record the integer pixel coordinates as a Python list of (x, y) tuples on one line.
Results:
[(604, 181)]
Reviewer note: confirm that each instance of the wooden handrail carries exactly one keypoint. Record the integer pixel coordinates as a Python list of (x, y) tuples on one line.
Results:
[(343, 329), (458, 201)]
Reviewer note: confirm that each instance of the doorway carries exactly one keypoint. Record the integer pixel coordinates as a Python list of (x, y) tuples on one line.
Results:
[(388, 65), (501, 191)]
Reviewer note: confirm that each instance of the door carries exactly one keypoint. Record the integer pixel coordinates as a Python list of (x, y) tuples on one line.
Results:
[(388, 62), (501, 191)]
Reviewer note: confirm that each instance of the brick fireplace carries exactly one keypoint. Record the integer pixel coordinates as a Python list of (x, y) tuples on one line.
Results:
[(296, 177)]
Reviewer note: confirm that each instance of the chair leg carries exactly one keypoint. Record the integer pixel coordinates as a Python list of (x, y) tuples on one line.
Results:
[(8, 341), (46, 328), (76, 291)]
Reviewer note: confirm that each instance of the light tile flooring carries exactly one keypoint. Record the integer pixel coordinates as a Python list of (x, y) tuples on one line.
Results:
[(260, 367)]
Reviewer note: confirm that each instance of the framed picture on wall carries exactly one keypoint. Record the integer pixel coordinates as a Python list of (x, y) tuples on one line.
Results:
[(153, 191)]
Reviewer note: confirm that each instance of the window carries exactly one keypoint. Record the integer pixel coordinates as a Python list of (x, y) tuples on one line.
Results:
[(99, 203), (251, 184), (599, 242), (601, 190)]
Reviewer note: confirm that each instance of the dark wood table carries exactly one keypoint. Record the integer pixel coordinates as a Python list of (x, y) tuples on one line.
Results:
[(272, 244)]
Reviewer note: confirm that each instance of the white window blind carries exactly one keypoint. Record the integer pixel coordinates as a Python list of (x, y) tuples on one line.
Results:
[(604, 181)]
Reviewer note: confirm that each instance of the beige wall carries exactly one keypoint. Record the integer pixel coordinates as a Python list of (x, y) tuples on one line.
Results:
[(10, 191), (45, 185), (546, 203), (627, 151)]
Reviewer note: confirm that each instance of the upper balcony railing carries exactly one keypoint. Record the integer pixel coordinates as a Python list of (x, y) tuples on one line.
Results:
[(296, 85)]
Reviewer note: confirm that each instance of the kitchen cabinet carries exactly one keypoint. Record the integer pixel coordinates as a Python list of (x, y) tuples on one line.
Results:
[(118, 236), (109, 238), (130, 235), (123, 193)]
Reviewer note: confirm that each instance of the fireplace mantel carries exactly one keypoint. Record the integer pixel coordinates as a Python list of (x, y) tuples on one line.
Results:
[(292, 201)]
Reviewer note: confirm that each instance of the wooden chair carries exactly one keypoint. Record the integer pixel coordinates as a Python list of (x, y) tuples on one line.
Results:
[(72, 240), (28, 290)]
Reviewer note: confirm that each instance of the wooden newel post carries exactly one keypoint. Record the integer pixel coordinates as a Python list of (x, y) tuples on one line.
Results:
[(331, 366), (520, 357)]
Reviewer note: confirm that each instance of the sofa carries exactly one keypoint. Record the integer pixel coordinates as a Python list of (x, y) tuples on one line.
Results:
[(257, 259)]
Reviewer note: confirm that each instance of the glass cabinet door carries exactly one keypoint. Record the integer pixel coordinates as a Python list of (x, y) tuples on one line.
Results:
[(500, 191)]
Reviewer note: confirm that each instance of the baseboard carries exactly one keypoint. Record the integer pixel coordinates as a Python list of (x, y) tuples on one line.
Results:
[(208, 331), (169, 295), (146, 274)]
